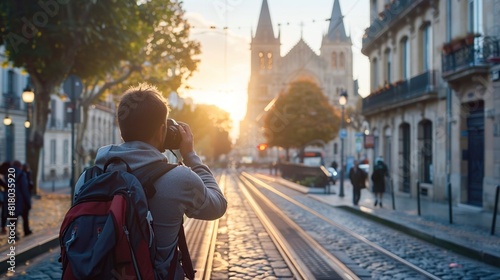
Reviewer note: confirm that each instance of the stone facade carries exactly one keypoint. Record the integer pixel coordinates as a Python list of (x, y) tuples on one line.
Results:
[(271, 74), (433, 93), (56, 154)]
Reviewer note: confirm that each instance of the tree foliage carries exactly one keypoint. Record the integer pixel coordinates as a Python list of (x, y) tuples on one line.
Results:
[(299, 116), (165, 57), (210, 125), (51, 39)]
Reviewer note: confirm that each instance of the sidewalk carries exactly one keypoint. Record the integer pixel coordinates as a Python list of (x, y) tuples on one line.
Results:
[(469, 234)]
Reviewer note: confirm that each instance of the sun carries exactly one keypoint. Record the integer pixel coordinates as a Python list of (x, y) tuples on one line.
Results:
[(231, 101)]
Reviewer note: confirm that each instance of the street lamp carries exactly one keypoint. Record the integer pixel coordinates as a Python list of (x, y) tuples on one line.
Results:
[(28, 97), (342, 102), (7, 120)]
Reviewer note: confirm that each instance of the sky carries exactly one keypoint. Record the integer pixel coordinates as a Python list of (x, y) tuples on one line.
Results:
[(224, 71)]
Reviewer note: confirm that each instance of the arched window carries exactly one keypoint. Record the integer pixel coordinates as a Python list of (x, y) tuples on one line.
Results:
[(426, 47), (388, 66), (262, 61), (425, 151), (342, 60), (375, 82), (405, 58), (334, 60), (269, 60)]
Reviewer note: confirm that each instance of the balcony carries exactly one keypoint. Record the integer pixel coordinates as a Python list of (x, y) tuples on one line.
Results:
[(461, 58), (394, 13), (416, 89), (11, 101)]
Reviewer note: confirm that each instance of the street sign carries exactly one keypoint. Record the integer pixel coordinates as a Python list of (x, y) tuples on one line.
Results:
[(358, 144), (343, 133), (73, 87)]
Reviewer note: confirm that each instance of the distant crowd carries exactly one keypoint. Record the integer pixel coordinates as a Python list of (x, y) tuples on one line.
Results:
[(16, 187)]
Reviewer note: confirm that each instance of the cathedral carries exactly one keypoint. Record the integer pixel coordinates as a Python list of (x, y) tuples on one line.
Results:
[(272, 73)]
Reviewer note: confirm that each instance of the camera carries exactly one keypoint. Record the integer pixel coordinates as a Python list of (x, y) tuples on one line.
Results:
[(173, 138)]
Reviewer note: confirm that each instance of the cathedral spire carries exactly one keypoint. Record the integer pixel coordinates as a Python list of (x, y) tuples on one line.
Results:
[(336, 30), (264, 31)]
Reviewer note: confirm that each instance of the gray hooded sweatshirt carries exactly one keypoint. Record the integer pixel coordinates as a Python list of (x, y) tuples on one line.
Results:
[(191, 190)]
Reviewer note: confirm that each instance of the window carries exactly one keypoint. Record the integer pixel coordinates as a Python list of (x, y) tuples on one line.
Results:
[(388, 65), (335, 148), (66, 151), (9, 139), (405, 58), (269, 60), (11, 81), (426, 48), (425, 150), (53, 110), (334, 60), (262, 61), (475, 17), (375, 83), (53, 151), (342, 60)]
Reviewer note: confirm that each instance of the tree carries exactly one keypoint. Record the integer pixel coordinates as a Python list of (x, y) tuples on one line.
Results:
[(299, 116), (51, 39), (165, 58), (210, 126)]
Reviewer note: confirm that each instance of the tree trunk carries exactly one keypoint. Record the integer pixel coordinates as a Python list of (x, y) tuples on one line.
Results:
[(40, 116)]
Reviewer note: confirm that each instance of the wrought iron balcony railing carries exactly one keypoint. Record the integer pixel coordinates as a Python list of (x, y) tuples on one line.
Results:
[(11, 101), (390, 15), (460, 55), (401, 93)]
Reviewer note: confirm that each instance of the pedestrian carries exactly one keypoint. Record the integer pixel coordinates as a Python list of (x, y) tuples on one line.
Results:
[(3, 183), (27, 170), (334, 165), (358, 180), (189, 190), (23, 197), (378, 179)]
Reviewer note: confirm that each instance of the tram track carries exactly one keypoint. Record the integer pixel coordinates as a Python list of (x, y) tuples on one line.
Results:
[(373, 248), (306, 258), (201, 237)]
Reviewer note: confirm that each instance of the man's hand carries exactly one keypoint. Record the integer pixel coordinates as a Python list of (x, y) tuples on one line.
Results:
[(187, 144)]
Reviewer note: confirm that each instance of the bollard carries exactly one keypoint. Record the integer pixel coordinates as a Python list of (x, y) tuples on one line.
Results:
[(418, 197), (493, 223), (450, 204)]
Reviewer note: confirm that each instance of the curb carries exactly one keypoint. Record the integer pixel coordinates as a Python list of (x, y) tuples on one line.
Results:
[(28, 253), (440, 242)]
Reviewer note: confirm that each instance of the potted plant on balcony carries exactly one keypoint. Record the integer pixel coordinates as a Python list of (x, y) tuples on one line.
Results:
[(447, 48), (469, 38), (397, 83)]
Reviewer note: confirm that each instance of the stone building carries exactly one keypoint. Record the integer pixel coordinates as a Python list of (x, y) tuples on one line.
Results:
[(433, 90), (56, 153), (272, 73)]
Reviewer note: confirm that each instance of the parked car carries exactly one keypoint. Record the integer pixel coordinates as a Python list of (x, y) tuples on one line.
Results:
[(334, 175)]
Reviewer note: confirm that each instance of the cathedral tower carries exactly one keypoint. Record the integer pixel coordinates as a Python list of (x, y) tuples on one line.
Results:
[(336, 51)]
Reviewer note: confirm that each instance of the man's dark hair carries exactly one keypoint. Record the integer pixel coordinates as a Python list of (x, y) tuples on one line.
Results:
[(142, 110)]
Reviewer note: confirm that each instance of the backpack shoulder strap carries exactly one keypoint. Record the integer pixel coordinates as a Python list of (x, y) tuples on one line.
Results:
[(149, 173)]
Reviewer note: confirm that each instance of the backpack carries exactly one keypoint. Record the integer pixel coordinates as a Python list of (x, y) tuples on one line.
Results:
[(108, 232)]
